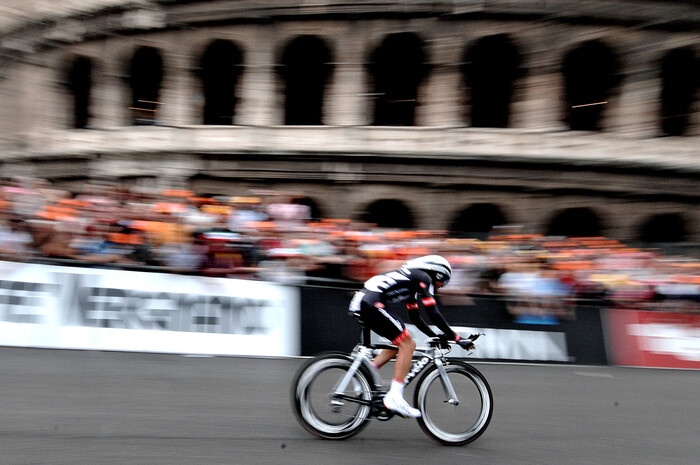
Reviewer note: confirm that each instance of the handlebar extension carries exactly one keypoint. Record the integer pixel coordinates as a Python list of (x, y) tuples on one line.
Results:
[(442, 342)]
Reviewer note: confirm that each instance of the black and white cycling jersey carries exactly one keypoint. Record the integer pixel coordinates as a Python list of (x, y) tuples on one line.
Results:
[(400, 285)]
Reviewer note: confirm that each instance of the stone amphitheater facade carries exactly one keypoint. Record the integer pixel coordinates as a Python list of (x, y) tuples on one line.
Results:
[(561, 116)]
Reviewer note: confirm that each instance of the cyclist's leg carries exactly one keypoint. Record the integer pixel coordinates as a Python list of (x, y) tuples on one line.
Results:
[(383, 357), (393, 399), (387, 324), (382, 321), (403, 360)]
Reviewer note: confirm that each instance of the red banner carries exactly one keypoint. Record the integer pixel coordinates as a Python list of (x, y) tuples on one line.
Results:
[(653, 338)]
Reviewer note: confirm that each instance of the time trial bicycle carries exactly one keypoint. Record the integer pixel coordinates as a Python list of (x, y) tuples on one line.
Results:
[(335, 395)]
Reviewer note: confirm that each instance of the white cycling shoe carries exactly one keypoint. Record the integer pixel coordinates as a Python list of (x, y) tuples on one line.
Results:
[(398, 404)]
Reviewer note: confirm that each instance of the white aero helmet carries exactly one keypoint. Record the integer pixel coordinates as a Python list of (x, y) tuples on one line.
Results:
[(435, 265)]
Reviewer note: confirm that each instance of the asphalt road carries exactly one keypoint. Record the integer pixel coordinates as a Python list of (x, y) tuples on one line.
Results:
[(73, 407)]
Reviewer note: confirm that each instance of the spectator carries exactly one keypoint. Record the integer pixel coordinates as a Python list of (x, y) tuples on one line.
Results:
[(117, 226), (15, 239)]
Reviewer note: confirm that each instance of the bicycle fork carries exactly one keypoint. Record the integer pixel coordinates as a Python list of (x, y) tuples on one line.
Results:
[(418, 365), (447, 388)]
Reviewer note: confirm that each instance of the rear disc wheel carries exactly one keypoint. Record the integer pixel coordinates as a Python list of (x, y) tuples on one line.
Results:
[(315, 405)]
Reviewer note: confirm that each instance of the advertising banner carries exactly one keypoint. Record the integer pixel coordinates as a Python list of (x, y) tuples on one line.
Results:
[(653, 338), (100, 309)]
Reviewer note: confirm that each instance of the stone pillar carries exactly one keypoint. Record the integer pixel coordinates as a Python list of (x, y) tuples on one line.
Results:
[(441, 95), (538, 97), (110, 93), (635, 105), (177, 88), (260, 101), (346, 94), (30, 88), (57, 106), (441, 98)]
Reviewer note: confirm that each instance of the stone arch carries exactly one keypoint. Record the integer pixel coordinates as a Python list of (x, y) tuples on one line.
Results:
[(680, 74), (389, 213), (575, 222), (591, 74), (397, 66), (477, 220), (219, 70), (79, 84), (490, 68), (306, 68), (145, 78), (664, 227)]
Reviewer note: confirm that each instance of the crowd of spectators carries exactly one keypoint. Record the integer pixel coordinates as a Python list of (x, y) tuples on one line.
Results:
[(268, 235)]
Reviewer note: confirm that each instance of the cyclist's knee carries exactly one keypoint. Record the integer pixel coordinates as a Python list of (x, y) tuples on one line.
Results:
[(407, 344)]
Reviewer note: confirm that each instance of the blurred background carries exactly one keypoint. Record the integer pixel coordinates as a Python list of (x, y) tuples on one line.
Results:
[(548, 149)]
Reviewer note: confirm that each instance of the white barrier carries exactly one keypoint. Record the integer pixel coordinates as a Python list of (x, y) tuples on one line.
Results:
[(99, 309)]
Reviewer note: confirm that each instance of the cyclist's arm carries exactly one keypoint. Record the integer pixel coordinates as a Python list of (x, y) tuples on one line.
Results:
[(439, 321), (430, 305), (437, 318), (418, 321), (424, 288)]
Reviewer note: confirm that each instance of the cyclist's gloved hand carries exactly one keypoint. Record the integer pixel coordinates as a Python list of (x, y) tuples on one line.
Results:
[(464, 343)]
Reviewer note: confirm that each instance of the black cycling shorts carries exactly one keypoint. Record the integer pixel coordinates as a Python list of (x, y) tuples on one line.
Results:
[(377, 316)]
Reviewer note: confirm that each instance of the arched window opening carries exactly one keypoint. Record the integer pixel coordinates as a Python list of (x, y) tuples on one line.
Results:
[(477, 221), (145, 78), (575, 222), (219, 69), (398, 66), (665, 227), (389, 213), (590, 76), (80, 85), (680, 73), (315, 211), (490, 69), (306, 67)]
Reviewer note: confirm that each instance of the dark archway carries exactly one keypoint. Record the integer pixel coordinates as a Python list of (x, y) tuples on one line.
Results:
[(389, 213), (145, 78), (398, 66), (79, 83), (664, 227), (591, 74), (314, 210), (306, 67), (575, 222), (680, 73), (477, 220), (490, 69), (219, 70)]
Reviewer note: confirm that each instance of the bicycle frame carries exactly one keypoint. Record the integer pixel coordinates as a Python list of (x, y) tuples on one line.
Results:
[(362, 355)]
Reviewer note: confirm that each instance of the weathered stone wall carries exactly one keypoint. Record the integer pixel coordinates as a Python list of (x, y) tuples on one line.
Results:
[(531, 170)]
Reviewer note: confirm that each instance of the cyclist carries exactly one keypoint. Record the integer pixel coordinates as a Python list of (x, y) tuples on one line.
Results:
[(417, 278)]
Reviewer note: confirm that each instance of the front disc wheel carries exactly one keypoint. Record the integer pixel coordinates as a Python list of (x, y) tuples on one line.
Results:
[(445, 420)]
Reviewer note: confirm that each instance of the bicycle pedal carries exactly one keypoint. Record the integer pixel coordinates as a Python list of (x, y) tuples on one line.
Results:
[(379, 410), (385, 414)]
